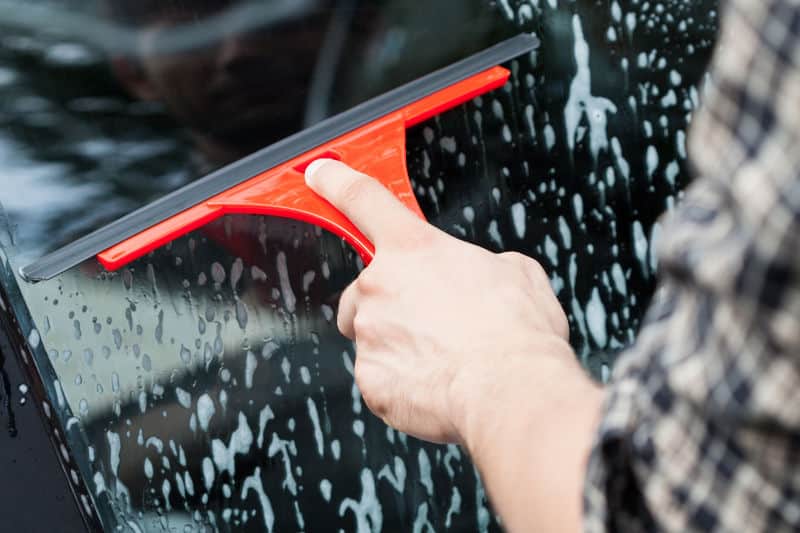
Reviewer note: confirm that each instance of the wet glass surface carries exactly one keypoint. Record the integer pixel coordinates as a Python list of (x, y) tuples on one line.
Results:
[(205, 387), (210, 388)]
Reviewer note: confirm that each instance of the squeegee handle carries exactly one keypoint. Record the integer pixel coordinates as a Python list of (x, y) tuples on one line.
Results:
[(377, 149)]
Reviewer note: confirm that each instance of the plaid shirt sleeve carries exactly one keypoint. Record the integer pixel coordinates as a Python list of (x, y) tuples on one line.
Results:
[(701, 427)]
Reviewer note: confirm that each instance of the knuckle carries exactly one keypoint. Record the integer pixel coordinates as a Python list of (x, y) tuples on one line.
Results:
[(369, 282), (344, 326), (530, 267), (535, 269), (518, 269), (349, 297), (363, 325), (513, 257), (355, 191)]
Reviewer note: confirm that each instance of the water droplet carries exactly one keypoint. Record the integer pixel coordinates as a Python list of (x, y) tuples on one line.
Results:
[(184, 398), (117, 338), (236, 273), (186, 355), (241, 314), (217, 273), (34, 339)]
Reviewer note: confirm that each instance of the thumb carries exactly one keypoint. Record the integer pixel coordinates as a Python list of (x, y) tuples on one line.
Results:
[(364, 200)]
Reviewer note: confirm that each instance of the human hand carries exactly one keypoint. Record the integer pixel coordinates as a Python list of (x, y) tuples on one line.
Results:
[(440, 325)]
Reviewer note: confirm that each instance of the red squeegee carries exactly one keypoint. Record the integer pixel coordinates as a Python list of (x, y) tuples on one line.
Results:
[(370, 138)]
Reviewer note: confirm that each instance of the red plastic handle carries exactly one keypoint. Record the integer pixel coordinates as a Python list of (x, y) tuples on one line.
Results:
[(377, 149)]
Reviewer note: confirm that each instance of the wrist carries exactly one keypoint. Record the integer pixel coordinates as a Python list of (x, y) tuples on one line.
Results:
[(529, 389), (528, 427)]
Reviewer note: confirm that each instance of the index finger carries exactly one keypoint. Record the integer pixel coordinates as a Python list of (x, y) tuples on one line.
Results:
[(364, 200)]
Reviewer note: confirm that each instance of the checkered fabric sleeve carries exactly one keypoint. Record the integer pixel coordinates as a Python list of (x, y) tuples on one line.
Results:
[(701, 426)]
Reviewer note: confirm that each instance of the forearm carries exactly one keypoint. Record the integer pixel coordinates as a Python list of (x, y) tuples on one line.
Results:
[(530, 434)]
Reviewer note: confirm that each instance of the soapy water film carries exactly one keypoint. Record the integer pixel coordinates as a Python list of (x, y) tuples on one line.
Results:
[(206, 387)]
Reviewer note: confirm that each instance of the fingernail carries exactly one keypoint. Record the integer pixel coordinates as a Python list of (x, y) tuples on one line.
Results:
[(313, 168)]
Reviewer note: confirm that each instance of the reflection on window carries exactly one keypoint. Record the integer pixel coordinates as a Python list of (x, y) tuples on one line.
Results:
[(206, 386)]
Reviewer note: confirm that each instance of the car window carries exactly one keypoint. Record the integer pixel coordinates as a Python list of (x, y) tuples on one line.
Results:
[(205, 386)]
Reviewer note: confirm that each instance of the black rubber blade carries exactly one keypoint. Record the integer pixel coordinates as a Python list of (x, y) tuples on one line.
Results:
[(201, 190)]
